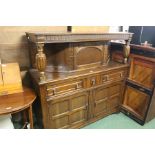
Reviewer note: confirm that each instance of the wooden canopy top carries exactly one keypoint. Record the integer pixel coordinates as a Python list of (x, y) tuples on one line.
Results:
[(50, 37)]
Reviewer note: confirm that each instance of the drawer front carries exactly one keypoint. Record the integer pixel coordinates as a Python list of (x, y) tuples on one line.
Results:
[(111, 77), (64, 87)]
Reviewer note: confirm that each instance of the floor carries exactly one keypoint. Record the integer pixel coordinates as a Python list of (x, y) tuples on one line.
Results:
[(114, 121), (119, 121)]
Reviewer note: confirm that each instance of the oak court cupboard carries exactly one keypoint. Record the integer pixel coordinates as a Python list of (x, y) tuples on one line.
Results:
[(75, 77)]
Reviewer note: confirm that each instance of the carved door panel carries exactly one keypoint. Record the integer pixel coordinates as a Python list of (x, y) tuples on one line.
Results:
[(68, 111)]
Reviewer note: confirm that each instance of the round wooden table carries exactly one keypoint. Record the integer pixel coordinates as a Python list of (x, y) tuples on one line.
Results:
[(17, 102)]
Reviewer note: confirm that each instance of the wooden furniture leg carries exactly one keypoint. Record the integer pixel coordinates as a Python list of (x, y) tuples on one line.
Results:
[(30, 116)]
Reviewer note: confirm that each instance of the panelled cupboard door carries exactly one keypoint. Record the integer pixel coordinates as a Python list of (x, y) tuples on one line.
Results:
[(69, 111), (107, 99)]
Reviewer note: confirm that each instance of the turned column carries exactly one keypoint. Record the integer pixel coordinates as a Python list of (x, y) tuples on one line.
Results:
[(41, 60), (106, 55), (126, 50)]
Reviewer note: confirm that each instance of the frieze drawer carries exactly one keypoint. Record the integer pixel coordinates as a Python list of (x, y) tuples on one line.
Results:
[(113, 76), (65, 87)]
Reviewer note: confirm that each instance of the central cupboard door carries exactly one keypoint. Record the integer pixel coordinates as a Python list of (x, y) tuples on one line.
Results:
[(70, 111), (107, 99)]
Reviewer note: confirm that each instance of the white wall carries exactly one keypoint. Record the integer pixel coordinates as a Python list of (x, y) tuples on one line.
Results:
[(5, 122)]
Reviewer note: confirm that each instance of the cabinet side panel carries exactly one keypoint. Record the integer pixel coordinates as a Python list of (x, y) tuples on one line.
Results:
[(44, 106)]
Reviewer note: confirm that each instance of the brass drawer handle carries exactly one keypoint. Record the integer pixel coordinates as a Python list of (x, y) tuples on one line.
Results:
[(54, 91), (93, 82), (121, 74), (105, 78), (86, 107), (78, 86)]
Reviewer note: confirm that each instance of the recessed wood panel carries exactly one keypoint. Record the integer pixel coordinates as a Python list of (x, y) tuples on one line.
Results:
[(71, 110), (114, 89), (136, 101), (143, 75), (78, 117), (88, 55), (142, 72), (60, 122), (114, 103), (79, 101), (101, 107), (101, 93), (59, 107)]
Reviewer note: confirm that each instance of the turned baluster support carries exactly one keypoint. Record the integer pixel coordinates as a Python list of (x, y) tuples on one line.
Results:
[(106, 55), (126, 50), (41, 60)]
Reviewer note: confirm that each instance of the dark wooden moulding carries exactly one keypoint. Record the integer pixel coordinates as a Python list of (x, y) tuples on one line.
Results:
[(75, 78)]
